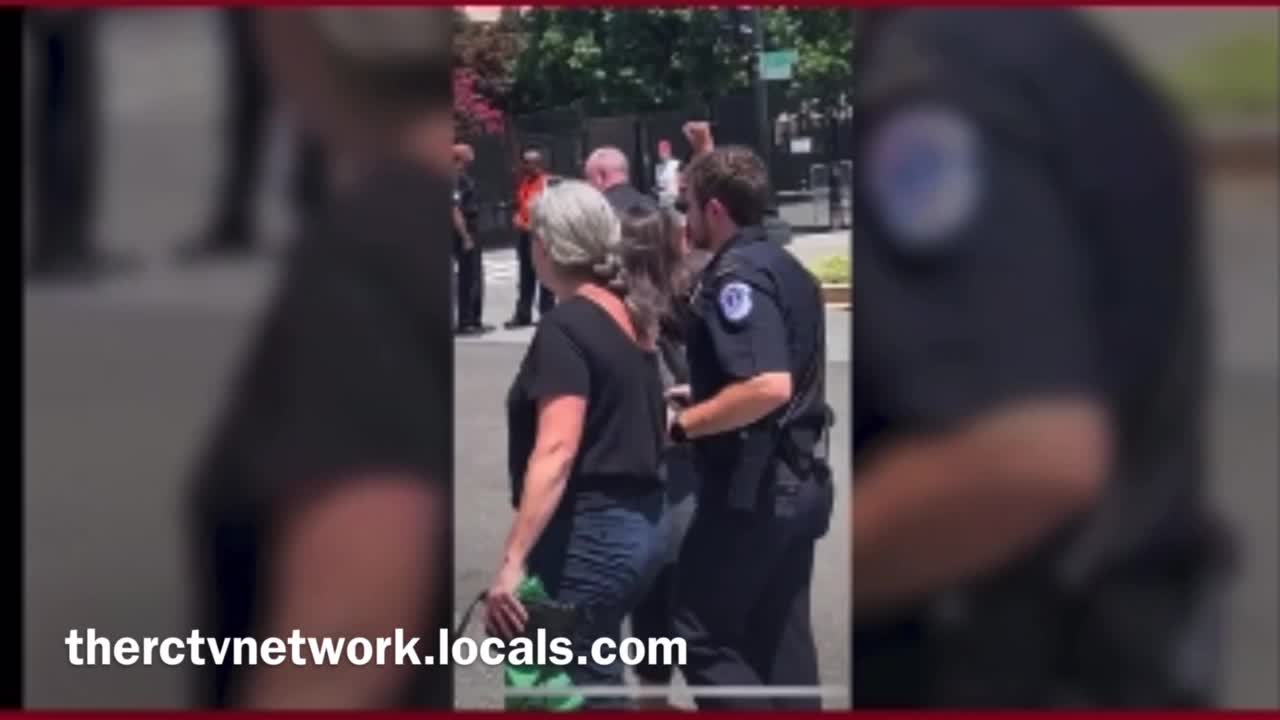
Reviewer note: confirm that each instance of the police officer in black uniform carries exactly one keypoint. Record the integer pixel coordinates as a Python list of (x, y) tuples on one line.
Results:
[(66, 125), (466, 245), (758, 420), (1028, 513)]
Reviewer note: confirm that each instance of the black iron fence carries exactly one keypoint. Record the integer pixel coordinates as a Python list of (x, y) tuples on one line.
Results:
[(565, 136)]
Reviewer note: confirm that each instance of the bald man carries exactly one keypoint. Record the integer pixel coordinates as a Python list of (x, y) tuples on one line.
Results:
[(608, 170)]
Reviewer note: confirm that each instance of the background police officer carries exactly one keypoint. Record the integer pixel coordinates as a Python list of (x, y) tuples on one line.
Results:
[(758, 423), (1028, 521), (466, 245)]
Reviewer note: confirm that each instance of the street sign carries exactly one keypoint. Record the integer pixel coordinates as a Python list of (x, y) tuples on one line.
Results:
[(776, 65)]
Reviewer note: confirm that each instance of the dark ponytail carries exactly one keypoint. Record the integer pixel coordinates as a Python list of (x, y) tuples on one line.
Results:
[(649, 265)]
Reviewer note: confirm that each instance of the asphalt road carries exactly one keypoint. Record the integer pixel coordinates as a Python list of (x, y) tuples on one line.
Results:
[(483, 515), (121, 380)]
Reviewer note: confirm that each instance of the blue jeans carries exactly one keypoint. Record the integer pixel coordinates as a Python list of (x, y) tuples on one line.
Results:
[(601, 551), (652, 617)]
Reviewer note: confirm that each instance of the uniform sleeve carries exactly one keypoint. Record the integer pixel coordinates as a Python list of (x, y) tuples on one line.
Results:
[(747, 329), (556, 365), (972, 286), (469, 198)]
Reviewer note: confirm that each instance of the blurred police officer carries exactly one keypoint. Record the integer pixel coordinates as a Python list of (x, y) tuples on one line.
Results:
[(232, 229), (66, 125), (322, 505), (1028, 513), (758, 419), (466, 245)]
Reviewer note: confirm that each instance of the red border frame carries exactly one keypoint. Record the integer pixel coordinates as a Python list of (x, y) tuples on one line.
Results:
[(1193, 4), (493, 715), (870, 715)]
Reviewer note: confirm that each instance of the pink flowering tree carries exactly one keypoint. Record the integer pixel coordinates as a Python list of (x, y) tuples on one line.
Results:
[(472, 111)]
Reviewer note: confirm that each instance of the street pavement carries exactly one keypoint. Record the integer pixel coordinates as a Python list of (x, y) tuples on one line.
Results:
[(121, 380)]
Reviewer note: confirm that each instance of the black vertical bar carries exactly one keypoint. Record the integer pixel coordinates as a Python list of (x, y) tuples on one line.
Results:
[(760, 87), (12, 24)]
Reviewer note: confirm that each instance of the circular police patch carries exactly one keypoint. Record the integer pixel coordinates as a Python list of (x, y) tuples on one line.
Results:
[(924, 178), (735, 301)]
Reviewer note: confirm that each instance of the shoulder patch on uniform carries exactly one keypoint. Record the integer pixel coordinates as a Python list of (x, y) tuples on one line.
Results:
[(924, 176), (735, 301)]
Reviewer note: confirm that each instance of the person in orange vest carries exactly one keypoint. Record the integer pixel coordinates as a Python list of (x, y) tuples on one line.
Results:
[(533, 180)]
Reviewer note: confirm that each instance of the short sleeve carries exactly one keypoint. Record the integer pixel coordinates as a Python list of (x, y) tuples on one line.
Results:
[(347, 375), (469, 197), (747, 328), (555, 364), (973, 275)]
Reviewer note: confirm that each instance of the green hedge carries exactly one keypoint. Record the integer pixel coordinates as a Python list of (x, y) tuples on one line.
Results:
[(834, 270), (1236, 76)]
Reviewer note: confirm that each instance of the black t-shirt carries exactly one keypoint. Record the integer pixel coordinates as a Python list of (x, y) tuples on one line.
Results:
[(464, 196), (350, 371), (580, 350), (757, 310)]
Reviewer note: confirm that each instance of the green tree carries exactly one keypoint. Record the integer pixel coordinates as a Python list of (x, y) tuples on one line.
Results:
[(617, 61), (487, 53), (823, 40)]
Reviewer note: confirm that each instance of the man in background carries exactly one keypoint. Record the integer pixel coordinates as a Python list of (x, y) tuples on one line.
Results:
[(533, 180), (608, 171), (466, 245), (323, 504), (666, 175)]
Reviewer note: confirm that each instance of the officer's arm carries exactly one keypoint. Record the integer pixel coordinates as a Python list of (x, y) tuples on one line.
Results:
[(988, 364), (945, 507), (750, 341)]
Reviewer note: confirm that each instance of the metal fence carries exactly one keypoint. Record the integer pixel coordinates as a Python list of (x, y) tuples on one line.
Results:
[(566, 135)]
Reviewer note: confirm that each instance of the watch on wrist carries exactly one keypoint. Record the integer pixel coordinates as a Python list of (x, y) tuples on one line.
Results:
[(677, 433)]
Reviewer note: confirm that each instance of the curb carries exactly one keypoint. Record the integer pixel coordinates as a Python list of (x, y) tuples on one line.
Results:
[(1241, 153), (838, 295)]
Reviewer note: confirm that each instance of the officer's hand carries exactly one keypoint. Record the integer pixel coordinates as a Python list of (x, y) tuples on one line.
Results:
[(505, 617)]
